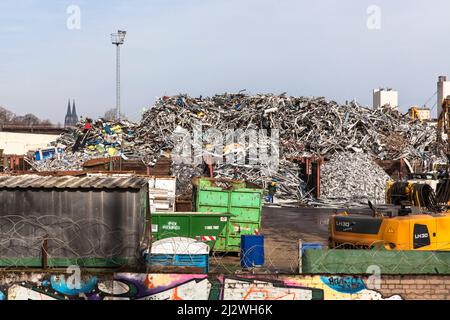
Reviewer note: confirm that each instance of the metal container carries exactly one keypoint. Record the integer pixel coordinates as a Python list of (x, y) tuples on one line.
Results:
[(179, 255), (211, 199), (243, 200), (182, 205), (252, 252), (204, 227)]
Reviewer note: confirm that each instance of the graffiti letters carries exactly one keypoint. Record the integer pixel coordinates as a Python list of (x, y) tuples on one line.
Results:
[(135, 286)]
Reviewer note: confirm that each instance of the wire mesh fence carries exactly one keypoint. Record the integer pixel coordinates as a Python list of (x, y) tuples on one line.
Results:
[(55, 242), (342, 260)]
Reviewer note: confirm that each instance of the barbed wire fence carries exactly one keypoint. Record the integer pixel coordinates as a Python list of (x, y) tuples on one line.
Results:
[(25, 240), (38, 241)]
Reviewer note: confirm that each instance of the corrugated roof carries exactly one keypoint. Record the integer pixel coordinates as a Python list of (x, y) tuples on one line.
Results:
[(71, 182)]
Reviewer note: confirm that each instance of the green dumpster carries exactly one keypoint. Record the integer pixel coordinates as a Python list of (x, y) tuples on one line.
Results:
[(243, 200), (212, 199), (205, 227)]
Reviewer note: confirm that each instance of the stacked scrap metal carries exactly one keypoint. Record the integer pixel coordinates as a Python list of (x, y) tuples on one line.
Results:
[(307, 127), (90, 140), (352, 179)]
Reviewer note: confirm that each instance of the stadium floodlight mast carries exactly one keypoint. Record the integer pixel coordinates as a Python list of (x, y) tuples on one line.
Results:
[(118, 39)]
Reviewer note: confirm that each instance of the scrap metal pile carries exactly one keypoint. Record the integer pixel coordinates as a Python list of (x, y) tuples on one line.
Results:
[(307, 127), (90, 140), (350, 179)]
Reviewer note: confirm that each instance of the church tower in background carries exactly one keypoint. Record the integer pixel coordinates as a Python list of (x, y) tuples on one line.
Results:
[(71, 118)]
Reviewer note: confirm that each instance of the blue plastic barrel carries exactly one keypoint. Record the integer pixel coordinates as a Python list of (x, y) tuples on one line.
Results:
[(311, 246), (252, 251)]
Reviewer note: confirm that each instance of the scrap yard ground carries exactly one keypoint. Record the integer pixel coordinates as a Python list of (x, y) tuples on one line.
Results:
[(282, 229)]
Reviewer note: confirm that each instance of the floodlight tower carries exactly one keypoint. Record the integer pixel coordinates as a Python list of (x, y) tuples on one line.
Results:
[(118, 39)]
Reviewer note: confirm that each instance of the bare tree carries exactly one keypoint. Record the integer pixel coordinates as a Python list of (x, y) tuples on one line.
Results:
[(27, 120), (111, 115), (9, 118), (6, 116)]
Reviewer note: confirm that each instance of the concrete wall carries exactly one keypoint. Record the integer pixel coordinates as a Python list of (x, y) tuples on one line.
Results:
[(382, 97), (21, 143), (40, 286)]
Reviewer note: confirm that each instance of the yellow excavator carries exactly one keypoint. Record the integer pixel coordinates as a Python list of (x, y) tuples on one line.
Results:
[(399, 229), (415, 114), (418, 218)]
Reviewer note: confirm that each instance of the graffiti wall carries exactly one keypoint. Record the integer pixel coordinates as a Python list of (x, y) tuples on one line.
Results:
[(118, 286)]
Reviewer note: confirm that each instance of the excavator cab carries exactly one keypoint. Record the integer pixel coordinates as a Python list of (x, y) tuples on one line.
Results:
[(402, 231)]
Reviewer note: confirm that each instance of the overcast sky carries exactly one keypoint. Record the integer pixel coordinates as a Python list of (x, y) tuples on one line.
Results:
[(203, 47)]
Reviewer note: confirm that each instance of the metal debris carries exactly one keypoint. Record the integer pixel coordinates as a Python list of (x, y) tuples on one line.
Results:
[(90, 140), (353, 177), (307, 127)]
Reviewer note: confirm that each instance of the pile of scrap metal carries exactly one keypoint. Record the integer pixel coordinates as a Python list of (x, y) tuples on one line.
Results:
[(89, 140), (350, 180), (306, 127)]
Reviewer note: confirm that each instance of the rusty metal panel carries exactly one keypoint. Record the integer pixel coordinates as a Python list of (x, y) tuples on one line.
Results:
[(71, 182)]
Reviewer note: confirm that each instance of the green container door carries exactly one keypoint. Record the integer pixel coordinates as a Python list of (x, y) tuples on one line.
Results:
[(246, 198), (230, 239), (205, 227), (244, 204), (245, 207), (212, 200)]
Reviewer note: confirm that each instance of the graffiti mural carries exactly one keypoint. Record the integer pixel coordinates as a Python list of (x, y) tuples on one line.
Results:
[(349, 285), (132, 286), (240, 289)]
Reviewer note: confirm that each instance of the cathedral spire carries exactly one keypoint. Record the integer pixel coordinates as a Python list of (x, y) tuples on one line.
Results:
[(69, 113), (68, 118), (74, 114)]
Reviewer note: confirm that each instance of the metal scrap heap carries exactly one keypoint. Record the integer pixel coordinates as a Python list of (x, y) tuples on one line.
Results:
[(308, 126), (90, 140), (353, 177)]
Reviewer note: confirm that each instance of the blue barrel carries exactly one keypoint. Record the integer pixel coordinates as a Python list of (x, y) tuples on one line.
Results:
[(311, 246), (252, 251)]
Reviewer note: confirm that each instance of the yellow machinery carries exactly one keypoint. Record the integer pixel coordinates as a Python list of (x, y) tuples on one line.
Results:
[(419, 193), (415, 114), (398, 229), (402, 232)]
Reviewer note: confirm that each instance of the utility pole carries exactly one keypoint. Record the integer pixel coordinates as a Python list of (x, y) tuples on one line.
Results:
[(118, 39)]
